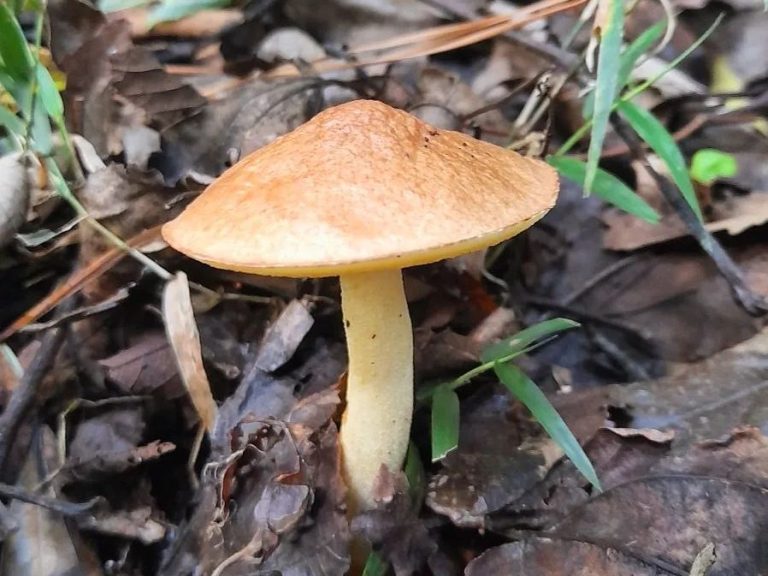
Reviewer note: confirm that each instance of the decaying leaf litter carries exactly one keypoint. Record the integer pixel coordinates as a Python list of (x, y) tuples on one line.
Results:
[(176, 419)]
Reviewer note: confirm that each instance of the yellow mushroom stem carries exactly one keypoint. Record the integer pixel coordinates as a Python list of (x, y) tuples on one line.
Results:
[(377, 421)]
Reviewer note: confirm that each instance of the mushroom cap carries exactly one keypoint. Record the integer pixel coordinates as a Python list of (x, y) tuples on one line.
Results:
[(360, 187)]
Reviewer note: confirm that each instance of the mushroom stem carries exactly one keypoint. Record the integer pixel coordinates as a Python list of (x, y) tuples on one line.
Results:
[(377, 422)]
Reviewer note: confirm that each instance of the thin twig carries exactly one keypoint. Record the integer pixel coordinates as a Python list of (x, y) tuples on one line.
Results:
[(59, 506), (23, 397)]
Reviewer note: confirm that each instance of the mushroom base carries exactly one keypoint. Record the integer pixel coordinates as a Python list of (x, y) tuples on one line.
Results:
[(377, 422)]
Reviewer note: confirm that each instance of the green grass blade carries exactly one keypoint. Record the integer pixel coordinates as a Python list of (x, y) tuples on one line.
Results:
[(48, 93), (637, 48), (11, 122), (525, 338), (661, 141), (40, 129), (445, 422), (417, 479), (606, 86), (175, 9), (525, 390), (375, 566), (629, 57), (607, 187), (115, 5), (14, 52), (577, 136)]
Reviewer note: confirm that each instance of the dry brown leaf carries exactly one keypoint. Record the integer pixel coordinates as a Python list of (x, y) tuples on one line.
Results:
[(284, 336), (661, 506), (79, 278), (545, 557), (147, 367), (182, 333), (113, 86), (41, 545), (438, 39), (734, 216), (503, 454)]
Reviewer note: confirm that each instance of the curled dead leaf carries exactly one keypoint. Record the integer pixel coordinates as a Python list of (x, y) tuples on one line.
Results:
[(184, 338)]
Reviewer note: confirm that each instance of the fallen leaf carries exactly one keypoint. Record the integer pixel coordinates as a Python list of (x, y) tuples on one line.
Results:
[(182, 333), (545, 557), (148, 367), (350, 21), (241, 122), (137, 524), (320, 544), (284, 336), (394, 528), (14, 201), (704, 400), (127, 201), (733, 215), (289, 44), (112, 85), (96, 466), (502, 455), (202, 24), (40, 545)]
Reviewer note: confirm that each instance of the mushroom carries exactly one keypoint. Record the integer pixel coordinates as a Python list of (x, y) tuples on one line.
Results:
[(362, 191)]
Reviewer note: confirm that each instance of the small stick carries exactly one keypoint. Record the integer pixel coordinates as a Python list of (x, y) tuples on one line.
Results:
[(24, 396)]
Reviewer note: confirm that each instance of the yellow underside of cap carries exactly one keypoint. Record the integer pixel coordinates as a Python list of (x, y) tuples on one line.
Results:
[(406, 260)]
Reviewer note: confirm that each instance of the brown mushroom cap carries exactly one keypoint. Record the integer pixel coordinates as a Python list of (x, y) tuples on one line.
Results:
[(362, 186)]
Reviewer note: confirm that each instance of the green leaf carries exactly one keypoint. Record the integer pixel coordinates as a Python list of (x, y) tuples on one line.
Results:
[(525, 390), (14, 52), (176, 9), (414, 472), (42, 136), (708, 165), (48, 93), (115, 5), (607, 187), (523, 339), (11, 122), (445, 422), (375, 566), (606, 86), (661, 141)]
